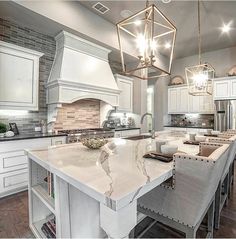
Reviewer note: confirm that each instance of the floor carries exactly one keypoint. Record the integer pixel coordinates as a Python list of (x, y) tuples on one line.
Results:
[(14, 220)]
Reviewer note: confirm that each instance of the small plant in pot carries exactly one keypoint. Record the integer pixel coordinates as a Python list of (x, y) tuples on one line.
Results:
[(3, 129)]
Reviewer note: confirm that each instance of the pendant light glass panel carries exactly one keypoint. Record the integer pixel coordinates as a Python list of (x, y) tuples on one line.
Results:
[(199, 79), (150, 37)]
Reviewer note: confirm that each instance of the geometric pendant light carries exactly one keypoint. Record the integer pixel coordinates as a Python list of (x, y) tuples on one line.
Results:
[(151, 37), (199, 77)]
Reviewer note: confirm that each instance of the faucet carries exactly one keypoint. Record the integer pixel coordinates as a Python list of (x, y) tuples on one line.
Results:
[(153, 130)]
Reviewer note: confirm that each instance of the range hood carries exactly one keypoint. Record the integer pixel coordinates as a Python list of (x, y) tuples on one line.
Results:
[(80, 71)]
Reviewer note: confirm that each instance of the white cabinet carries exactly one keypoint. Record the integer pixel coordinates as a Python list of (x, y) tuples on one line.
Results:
[(125, 84), (19, 77), (14, 163), (224, 88), (127, 133), (181, 102)]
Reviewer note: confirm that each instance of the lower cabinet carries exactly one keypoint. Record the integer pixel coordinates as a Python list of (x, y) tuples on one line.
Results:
[(127, 133), (14, 162), (187, 130)]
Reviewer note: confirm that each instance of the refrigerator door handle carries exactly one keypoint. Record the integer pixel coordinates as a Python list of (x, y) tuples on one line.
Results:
[(229, 116)]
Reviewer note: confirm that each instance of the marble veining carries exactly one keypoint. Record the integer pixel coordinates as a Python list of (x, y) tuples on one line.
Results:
[(116, 174)]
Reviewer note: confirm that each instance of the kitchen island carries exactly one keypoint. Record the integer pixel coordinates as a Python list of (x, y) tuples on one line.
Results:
[(96, 191)]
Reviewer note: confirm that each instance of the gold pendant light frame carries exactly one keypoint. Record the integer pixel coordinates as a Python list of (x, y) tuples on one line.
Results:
[(153, 27), (199, 77)]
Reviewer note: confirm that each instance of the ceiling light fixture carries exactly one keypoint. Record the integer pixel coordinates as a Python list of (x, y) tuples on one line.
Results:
[(144, 33), (199, 77), (226, 27)]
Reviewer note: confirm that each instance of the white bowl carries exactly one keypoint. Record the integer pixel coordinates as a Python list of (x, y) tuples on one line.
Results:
[(200, 138), (169, 149), (215, 132)]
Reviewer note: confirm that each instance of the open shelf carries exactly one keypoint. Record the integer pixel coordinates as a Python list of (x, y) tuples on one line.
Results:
[(42, 194), (36, 229)]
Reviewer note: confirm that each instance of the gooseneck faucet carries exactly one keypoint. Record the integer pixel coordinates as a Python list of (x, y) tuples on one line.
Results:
[(153, 130)]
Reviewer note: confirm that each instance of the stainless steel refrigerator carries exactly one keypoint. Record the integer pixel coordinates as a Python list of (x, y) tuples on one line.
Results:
[(225, 114)]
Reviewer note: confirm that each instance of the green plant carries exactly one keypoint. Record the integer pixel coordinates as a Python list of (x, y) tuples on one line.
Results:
[(3, 128)]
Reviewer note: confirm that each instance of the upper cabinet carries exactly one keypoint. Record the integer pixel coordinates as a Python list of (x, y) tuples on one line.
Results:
[(125, 84), (19, 77), (180, 102), (225, 88)]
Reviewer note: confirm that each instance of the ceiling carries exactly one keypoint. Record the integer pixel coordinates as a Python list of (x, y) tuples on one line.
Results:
[(184, 16)]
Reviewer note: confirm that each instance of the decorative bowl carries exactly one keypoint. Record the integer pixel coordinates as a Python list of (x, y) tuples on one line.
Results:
[(200, 138), (94, 143), (169, 149)]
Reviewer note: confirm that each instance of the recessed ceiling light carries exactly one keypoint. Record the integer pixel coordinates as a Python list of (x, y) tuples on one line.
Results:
[(166, 1), (226, 27), (126, 13)]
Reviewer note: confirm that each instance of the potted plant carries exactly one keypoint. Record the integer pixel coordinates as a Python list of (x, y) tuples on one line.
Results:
[(3, 129)]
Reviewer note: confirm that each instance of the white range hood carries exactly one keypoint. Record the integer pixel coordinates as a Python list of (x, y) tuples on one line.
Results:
[(80, 71)]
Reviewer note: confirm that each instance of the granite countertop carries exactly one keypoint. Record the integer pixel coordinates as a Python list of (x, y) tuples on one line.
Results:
[(33, 135), (190, 126), (115, 175)]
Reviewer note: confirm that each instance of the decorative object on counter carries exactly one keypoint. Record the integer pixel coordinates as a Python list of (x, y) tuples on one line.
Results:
[(176, 80), (169, 149), (3, 129), (130, 122), (43, 127), (215, 132), (159, 156), (199, 77), (94, 143), (149, 28), (191, 142), (192, 137), (14, 128), (232, 71), (159, 143), (37, 129), (9, 133), (200, 138)]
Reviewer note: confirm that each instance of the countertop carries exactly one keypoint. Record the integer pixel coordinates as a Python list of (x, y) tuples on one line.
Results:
[(190, 126), (116, 174), (34, 135)]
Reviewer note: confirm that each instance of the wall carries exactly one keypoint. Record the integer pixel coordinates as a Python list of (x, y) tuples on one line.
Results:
[(80, 114), (222, 60), (11, 32)]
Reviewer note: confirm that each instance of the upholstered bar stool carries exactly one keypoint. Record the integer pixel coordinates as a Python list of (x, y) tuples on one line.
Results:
[(224, 187), (196, 180)]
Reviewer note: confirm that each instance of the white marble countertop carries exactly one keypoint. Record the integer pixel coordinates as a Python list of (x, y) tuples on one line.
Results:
[(116, 174)]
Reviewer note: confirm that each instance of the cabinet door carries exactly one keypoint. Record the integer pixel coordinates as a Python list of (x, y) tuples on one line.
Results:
[(19, 73), (233, 88), (194, 104), (221, 89), (172, 100), (117, 134), (126, 95), (183, 100)]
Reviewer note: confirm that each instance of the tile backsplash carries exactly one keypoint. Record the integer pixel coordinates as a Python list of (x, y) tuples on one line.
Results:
[(80, 114), (198, 120), (12, 32)]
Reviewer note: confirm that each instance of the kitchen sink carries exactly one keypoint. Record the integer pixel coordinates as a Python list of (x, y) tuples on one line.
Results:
[(138, 137)]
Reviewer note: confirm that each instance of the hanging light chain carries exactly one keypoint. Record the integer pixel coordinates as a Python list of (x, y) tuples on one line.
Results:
[(199, 34)]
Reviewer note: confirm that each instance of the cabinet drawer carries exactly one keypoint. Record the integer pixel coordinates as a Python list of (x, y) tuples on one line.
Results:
[(11, 161), (58, 140), (13, 180)]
